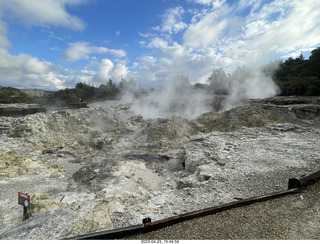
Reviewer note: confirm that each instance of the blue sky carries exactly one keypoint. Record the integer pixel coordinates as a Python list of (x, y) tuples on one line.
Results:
[(53, 44)]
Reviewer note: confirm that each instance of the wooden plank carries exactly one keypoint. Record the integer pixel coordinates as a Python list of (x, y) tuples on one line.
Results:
[(306, 180), (151, 226), (111, 234)]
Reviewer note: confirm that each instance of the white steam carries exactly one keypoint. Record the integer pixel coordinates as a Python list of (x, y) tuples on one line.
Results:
[(178, 97), (181, 98), (249, 84)]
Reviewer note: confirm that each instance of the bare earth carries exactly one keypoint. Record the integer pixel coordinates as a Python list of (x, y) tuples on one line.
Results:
[(294, 217), (104, 167)]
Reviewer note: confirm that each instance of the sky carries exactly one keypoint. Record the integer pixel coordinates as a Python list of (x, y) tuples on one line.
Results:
[(54, 44)]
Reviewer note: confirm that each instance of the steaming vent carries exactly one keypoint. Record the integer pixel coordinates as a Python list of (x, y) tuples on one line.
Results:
[(222, 92)]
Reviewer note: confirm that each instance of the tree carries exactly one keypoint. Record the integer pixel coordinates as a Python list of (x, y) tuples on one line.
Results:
[(80, 85), (219, 82), (112, 89), (300, 76), (315, 55), (301, 57)]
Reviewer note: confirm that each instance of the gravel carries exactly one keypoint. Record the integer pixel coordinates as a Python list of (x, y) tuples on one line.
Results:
[(293, 217), (77, 164)]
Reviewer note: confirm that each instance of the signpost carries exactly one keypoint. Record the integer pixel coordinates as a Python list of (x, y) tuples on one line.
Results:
[(24, 200)]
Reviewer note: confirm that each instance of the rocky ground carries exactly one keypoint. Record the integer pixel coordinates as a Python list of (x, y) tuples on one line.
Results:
[(294, 217), (103, 167)]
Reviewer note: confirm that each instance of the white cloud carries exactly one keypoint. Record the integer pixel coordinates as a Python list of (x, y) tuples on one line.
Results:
[(213, 3), (82, 50), (119, 72), (4, 42), (157, 42), (221, 36), (205, 33), (296, 27), (208, 27), (271, 28), (205, 2), (23, 71), (301, 27), (147, 60), (177, 60), (119, 53), (77, 51), (216, 35), (44, 12), (218, 3), (107, 70), (172, 21), (252, 4)]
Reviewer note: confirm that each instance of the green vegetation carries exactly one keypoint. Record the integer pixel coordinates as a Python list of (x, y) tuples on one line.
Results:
[(299, 76), (88, 93), (81, 92), (36, 93), (12, 95)]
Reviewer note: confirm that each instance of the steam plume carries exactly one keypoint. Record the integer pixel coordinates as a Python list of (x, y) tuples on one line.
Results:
[(181, 98), (178, 97)]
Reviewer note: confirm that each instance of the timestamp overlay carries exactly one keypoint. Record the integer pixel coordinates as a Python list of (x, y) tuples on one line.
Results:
[(160, 241)]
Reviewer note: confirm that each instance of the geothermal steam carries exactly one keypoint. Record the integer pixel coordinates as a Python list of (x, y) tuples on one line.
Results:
[(180, 98), (176, 98), (247, 84)]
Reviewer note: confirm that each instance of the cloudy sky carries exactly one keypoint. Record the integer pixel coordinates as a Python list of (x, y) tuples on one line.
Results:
[(54, 44)]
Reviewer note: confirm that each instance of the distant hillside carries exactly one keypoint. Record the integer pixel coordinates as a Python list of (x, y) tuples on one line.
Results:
[(14, 95), (37, 93)]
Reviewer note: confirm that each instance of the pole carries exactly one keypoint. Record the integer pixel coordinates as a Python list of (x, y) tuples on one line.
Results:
[(25, 213)]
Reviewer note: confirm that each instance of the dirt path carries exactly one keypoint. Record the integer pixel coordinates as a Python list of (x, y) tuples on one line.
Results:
[(294, 217)]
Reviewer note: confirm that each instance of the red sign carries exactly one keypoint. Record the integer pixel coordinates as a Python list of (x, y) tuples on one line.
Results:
[(24, 199), (24, 196)]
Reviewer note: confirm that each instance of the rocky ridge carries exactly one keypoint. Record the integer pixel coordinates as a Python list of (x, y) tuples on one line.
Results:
[(103, 167)]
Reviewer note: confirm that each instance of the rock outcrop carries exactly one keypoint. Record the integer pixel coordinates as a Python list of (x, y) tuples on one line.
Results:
[(103, 167)]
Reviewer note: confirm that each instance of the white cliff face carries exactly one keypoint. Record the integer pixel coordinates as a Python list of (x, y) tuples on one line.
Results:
[(103, 167)]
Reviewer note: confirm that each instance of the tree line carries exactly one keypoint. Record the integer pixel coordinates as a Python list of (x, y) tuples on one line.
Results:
[(297, 76), (300, 76), (12, 95), (88, 93), (81, 92)]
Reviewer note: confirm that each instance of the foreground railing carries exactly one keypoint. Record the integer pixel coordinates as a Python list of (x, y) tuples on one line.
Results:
[(294, 186)]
